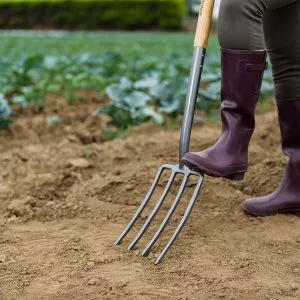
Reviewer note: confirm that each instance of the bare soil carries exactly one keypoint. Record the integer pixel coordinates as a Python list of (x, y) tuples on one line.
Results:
[(65, 195)]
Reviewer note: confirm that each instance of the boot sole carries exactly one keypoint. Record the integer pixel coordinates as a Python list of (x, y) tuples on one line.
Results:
[(236, 176), (233, 176), (295, 212)]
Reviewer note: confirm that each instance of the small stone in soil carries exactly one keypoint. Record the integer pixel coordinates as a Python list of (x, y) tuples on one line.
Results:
[(12, 219), (73, 138), (129, 187), (79, 163), (92, 281), (2, 258), (90, 264)]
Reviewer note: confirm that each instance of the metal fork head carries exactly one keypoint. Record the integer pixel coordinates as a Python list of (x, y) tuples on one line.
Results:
[(175, 170)]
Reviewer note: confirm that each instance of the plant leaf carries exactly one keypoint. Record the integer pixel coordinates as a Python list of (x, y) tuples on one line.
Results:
[(156, 117), (136, 99)]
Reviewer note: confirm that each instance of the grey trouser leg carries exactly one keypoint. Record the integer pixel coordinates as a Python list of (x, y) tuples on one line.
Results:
[(252, 24)]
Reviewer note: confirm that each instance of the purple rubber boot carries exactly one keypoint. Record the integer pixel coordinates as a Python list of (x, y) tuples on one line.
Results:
[(242, 74), (286, 199)]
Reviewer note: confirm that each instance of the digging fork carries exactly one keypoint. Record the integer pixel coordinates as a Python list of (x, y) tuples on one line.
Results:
[(201, 40)]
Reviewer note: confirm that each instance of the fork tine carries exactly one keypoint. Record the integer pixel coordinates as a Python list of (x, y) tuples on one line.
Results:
[(154, 211), (141, 207), (183, 220), (162, 226)]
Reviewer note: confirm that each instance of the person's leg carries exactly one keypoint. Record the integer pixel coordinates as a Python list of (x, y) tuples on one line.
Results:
[(242, 64), (282, 34), (240, 23)]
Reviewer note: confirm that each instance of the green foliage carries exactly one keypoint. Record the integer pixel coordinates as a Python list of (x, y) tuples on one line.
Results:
[(88, 153), (92, 14), (139, 85), (5, 112), (53, 121), (129, 106)]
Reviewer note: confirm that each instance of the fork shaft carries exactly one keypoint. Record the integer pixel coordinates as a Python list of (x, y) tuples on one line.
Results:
[(190, 103), (200, 44)]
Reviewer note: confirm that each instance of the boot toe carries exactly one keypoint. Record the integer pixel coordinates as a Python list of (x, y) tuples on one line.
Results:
[(199, 162), (248, 207), (255, 207), (213, 165), (192, 157)]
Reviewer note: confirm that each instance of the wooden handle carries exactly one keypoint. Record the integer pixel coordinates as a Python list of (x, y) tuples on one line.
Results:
[(204, 23)]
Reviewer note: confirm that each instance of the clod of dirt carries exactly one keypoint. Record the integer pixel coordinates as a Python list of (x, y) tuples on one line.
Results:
[(90, 264), (22, 156), (2, 258), (80, 163), (20, 208), (73, 139), (85, 136), (92, 281), (12, 219)]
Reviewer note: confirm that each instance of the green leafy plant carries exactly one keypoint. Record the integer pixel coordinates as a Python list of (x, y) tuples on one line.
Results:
[(128, 106), (5, 112), (138, 85)]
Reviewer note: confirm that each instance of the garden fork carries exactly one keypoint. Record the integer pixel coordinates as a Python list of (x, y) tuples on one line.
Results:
[(201, 40)]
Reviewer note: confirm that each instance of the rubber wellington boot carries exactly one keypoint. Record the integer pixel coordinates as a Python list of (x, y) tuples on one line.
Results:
[(242, 74), (286, 199)]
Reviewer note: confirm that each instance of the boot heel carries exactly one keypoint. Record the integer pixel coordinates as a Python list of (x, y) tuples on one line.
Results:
[(236, 176)]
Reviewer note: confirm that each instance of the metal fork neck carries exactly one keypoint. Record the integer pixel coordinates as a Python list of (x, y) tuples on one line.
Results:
[(190, 103)]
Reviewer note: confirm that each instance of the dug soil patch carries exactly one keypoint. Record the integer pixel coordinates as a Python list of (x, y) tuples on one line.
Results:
[(66, 195)]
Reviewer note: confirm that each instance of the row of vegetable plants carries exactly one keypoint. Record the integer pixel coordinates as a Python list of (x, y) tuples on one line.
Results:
[(139, 87)]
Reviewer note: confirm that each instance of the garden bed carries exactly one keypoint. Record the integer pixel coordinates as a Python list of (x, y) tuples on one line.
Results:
[(66, 195)]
